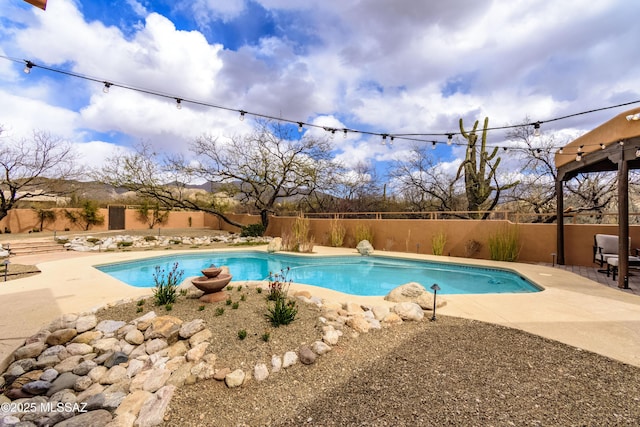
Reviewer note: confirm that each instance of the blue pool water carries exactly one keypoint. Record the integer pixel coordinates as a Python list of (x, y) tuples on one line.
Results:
[(355, 275)]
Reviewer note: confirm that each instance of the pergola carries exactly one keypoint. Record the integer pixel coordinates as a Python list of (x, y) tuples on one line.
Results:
[(612, 146)]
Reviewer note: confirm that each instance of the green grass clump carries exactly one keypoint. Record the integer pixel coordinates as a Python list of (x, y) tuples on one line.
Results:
[(504, 245), (235, 305), (219, 311), (242, 334)]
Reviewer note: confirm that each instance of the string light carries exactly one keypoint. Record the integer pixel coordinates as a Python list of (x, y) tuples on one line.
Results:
[(407, 137), (637, 152), (344, 135), (579, 155), (561, 150), (391, 140), (384, 139), (433, 145), (602, 146), (536, 129)]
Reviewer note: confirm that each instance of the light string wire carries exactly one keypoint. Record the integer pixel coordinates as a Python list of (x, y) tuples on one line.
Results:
[(414, 137)]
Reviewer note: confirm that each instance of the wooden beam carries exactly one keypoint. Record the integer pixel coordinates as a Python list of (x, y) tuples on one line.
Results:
[(42, 4), (560, 221), (623, 222)]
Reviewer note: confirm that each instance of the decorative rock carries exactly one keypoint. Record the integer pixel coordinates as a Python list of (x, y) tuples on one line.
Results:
[(331, 306), (116, 359), (260, 372), (123, 420), (134, 367), (97, 418), (177, 349), (201, 336), (276, 363), (64, 322), (86, 323), (143, 322), (359, 324), (64, 380), (75, 349), (138, 381), (331, 337), (275, 245), (156, 379), (203, 370), (61, 336), (87, 337), (290, 358), (353, 308), (379, 312), (29, 351), (167, 327), (106, 345), (36, 387), (220, 374), (84, 367), (153, 410), (182, 375), (235, 378), (49, 375), (133, 403), (374, 324), (83, 383), (113, 375), (408, 311), (108, 401), (303, 294), (98, 372), (134, 337), (365, 248), (68, 364), (197, 352), (320, 348), (414, 292), (155, 345), (188, 329), (307, 357), (94, 389), (109, 326)]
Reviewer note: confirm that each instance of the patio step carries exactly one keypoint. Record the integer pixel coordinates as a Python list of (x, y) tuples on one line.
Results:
[(32, 247)]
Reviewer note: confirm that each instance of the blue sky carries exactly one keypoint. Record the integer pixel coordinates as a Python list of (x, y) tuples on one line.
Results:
[(401, 66)]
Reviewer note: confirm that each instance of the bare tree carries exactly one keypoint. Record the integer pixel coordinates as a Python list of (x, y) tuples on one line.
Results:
[(35, 167), (163, 179), (266, 166), (423, 183)]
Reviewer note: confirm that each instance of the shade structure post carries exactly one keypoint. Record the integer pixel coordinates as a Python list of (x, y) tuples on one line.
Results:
[(623, 222), (560, 221)]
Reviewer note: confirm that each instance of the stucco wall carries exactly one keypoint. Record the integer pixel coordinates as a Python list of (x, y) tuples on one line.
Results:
[(538, 241)]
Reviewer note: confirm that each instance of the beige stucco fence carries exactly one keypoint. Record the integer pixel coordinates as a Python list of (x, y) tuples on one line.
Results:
[(537, 241)]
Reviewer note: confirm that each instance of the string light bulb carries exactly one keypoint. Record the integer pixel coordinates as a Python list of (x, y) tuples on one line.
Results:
[(27, 67), (449, 138), (384, 139), (638, 152), (300, 127), (561, 150), (344, 135), (536, 129), (433, 145), (179, 103), (578, 157), (602, 146), (242, 115), (106, 87), (391, 140)]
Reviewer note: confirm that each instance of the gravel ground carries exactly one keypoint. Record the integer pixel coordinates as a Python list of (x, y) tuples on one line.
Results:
[(448, 372)]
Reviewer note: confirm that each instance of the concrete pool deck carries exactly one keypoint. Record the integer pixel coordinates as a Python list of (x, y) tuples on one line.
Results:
[(572, 309)]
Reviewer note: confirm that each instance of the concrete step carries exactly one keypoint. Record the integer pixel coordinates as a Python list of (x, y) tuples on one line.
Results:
[(33, 247)]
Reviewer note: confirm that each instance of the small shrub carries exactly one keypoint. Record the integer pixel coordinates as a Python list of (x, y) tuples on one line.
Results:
[(125, 244), (363, 232), (140, 303), (183, 292), (228, 301), (242, 334), (219, 311), (175, 242), (265, 337), (336, 233), (504, 245), (165, 291), (259, 290), (149, 238), (243, 297), (437, 242), (235, 305), (284, 310), (229, 288), (168, 307), (139, 310), (201, 308), (62, 241), (252, 230), (303, 242), (239, 288), (93, 240)]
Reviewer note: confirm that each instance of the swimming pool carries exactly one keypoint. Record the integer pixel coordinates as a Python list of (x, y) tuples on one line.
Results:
[(355, 275)]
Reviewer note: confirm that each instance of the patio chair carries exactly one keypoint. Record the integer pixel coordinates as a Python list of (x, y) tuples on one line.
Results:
[(605, 246), (612, 264)]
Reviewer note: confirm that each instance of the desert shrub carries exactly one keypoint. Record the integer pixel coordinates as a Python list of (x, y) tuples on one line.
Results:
[(437, 242), (471, 247), (219, 311), (242, 334), (150, 238), (93, 240), (266, 336), (363, 232), (504, 245), (284, 310), (166, 284), (301, 235), (235, 305), (252, 230), (336, 233)]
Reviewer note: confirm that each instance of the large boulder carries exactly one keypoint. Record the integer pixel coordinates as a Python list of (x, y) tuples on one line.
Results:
[(415, 292), (364, 247), (275, 245)]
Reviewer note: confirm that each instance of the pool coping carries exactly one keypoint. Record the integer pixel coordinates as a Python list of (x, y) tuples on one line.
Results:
[(571, 309)]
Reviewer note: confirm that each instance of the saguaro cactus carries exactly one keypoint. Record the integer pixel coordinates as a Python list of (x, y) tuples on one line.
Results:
[(479, 167)]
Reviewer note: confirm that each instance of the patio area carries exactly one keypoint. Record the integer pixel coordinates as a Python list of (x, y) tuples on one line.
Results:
[(592, 273)]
